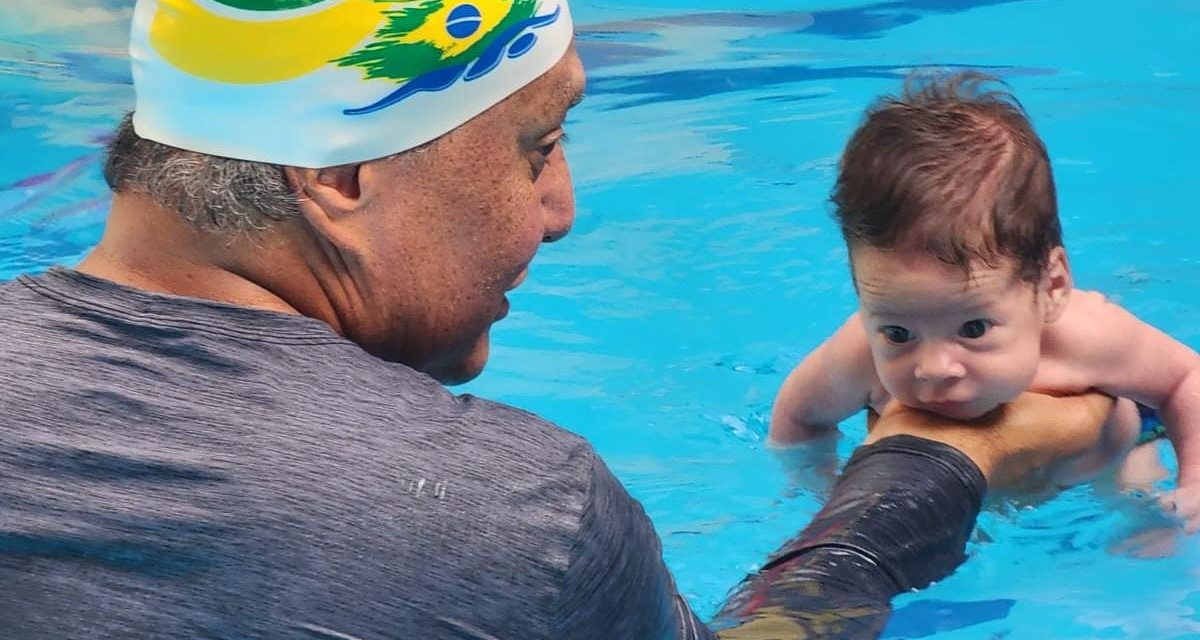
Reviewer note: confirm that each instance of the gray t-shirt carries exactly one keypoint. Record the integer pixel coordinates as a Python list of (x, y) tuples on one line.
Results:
[(175, 468)]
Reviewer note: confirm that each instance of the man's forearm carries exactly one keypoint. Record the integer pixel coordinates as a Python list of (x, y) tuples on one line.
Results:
[(897, 519)]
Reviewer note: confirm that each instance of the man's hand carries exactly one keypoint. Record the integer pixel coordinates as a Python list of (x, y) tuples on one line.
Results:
[(1031, 440)]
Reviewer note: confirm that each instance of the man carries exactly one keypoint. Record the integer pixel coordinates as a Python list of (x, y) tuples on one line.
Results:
[(227, 421)]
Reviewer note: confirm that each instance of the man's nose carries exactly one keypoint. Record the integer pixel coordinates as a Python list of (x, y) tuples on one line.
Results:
[(936, 363), (558, 197)]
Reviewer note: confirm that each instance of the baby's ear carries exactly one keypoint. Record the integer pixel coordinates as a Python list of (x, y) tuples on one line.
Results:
[(1054, 289)]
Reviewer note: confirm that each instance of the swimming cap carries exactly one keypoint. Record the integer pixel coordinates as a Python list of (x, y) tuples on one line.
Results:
[(317, 83)]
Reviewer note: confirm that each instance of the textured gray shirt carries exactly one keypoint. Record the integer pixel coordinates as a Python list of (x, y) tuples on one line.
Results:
[(174, 468)]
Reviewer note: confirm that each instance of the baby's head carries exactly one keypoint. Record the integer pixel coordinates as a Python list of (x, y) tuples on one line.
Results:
[(946, 201)]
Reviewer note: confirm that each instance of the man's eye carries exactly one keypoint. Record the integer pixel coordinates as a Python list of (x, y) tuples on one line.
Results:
[(974, 329), (549, 147), (896, 335)]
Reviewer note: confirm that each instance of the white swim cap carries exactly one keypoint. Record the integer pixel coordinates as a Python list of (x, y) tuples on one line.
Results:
[(317, 83)]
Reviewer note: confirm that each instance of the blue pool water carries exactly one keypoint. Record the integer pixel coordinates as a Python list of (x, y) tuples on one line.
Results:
[(703, 263)]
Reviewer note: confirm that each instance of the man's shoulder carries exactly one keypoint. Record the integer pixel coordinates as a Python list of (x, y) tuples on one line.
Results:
[(418, 423), (510, 434), (254, 369), (16, 296)]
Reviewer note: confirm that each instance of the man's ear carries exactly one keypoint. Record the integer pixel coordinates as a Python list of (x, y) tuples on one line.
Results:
[(333, 189), (327, 196), (1056, 285)]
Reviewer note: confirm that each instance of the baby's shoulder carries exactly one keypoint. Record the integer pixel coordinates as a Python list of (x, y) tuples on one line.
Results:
[(1090, 301), (1090, 316), (1090, 310)]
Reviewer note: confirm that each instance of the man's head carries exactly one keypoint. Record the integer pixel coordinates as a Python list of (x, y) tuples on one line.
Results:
[(410, 254), (432, 239), (946, 200)]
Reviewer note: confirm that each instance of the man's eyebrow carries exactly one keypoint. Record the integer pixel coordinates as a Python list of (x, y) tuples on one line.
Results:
[(576, 98)]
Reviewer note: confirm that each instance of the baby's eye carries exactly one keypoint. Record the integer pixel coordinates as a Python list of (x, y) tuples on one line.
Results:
[(974, 329), (896, 335)]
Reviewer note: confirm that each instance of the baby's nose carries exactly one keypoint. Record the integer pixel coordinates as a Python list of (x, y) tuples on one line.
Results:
[(937, 364)]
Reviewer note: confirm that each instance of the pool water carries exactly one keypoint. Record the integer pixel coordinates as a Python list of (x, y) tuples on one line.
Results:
[(703, 264)]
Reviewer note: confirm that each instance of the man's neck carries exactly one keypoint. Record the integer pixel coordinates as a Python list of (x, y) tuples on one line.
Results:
[(149, 248)]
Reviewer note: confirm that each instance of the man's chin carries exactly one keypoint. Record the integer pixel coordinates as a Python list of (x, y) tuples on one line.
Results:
[(466, 368)]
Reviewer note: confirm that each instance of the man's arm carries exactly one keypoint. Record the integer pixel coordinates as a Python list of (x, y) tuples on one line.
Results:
[(831, 384), (898, 518)]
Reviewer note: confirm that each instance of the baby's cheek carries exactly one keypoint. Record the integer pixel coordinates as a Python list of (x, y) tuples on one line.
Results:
[(1013, 379), (895, 380)]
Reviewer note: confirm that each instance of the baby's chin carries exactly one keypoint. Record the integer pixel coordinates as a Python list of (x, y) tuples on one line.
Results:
[(965, 411)]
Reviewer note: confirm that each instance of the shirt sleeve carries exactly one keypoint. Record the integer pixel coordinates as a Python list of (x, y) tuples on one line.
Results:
[(897, 519), (617, 586)]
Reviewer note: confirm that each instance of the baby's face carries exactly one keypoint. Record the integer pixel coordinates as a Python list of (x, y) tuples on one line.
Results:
[(944, 341)]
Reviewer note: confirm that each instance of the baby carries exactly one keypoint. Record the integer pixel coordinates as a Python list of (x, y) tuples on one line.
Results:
[(947, 204)]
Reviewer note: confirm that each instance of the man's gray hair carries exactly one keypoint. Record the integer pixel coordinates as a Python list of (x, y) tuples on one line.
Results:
[(211, 192)]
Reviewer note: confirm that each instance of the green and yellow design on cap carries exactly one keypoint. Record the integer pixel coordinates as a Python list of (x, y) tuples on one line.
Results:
[(423, 36), (321, 82), (224, 41), (428, 44)]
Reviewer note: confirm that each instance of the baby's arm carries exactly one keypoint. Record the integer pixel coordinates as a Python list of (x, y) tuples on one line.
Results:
[(1133, 359), (831, 384)]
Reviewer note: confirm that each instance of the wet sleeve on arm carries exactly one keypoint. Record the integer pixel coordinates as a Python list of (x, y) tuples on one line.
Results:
[(897, 519)]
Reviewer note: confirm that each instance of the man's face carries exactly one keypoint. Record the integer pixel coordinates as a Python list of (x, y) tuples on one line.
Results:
[(457, 224), (942, 340)]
